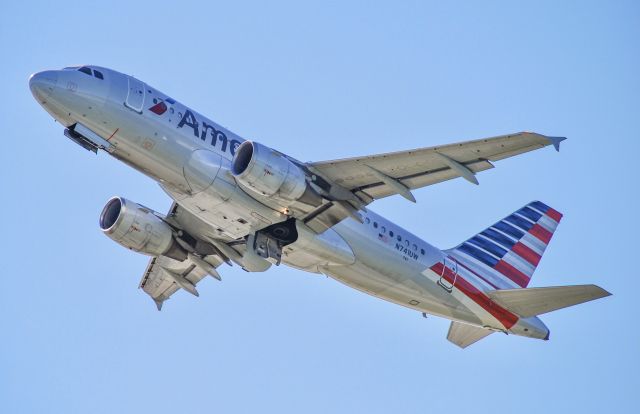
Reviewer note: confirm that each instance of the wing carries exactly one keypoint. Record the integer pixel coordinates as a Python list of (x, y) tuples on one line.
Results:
[(377, 176), (164, 276), (356, 182)]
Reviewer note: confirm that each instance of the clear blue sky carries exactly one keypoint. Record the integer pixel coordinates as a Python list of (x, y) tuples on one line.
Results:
[(319, 81)]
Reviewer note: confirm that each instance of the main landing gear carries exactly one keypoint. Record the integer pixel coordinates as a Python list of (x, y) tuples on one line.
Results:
[(268, 242)]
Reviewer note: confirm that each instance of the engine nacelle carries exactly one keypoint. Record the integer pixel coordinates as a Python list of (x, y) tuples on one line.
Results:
[(271, 174), (139, 229)]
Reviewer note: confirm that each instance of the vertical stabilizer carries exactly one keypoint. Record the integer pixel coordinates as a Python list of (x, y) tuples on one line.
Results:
[(506, 254)]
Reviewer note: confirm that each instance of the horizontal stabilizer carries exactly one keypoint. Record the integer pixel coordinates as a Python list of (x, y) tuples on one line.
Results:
[(464, 335), (536, 301)]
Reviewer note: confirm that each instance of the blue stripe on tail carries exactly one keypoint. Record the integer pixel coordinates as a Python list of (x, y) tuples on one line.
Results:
[(499, 238), (520, 222), (488, 246), (508, 252), (530, 214), (479, 254), (509, 229), (540, 206)]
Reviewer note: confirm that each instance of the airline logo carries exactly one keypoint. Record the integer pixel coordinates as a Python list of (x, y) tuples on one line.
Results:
[(513, 247), (160, 107), (201, 130), (503, 256)]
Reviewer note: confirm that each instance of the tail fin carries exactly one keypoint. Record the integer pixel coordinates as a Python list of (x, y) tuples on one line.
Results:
[(507, 253)]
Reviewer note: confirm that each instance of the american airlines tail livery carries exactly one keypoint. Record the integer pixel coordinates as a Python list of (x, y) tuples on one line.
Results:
[(242, 202)]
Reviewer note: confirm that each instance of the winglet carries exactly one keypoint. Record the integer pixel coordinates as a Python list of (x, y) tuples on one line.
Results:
[(158, 304), (555, 141)]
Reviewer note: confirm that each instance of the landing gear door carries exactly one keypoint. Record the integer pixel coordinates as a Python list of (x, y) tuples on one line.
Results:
[(135, 95)]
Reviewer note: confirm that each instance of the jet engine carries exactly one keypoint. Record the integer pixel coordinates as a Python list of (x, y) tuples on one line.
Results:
[(139, 229), (271, 174)]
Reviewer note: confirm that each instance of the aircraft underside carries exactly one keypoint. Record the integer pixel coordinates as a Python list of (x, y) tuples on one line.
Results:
[(240, 202)]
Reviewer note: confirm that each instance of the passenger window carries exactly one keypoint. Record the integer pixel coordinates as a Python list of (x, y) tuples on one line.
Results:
[(422, 252), (367, 220), (391, 233), (406, 243), (399, 238), (375, 224), (384, 229), (98, 74), (86, 70)]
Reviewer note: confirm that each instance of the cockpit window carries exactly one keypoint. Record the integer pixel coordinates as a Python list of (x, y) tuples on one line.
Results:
[(86, 70), (98, 74)]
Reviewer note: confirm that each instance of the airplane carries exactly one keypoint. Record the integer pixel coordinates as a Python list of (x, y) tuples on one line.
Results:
[(241, 202)]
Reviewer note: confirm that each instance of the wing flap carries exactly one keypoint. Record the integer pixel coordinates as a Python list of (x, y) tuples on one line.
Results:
[(464, 335), (379, 190), (536, 301), (164, 277)]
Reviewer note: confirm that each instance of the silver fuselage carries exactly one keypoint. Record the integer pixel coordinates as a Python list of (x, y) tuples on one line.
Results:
[(167, 145)]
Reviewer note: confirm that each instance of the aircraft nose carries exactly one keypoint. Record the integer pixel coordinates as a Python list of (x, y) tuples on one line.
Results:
[(43, 83)]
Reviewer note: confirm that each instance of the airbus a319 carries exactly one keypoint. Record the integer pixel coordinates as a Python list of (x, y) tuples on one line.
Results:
[(241, 202)]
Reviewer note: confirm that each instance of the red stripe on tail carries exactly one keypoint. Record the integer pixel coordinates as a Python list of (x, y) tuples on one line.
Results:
[(554, 214), (512, 273), (526, 253), (506, 318), (541, 233), (476, 274)]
